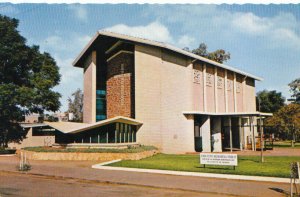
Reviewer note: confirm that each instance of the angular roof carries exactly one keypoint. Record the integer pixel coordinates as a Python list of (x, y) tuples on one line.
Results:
[(160, 45), (75, 127)]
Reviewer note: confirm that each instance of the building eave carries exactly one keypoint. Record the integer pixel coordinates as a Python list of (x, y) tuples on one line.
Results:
[(160, 45), (72, 128), (227, 113)]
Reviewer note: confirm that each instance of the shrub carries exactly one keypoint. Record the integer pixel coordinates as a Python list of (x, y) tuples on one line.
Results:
[(129, 149), (24, 167)]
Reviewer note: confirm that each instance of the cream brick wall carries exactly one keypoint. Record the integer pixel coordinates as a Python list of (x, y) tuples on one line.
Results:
[(147, 94), (198, 98), (89, 89), (177, 96), (210, 89), (249, 98), (163, 89), (221, 91)]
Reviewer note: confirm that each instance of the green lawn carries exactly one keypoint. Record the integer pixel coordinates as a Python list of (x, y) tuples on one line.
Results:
[(285, 144), (247, 165)]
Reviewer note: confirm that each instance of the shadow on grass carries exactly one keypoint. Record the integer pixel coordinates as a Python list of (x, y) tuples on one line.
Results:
[(247, 159), (215, 168)]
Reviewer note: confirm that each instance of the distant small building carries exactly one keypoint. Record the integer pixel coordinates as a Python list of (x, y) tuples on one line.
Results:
[(34, 118)]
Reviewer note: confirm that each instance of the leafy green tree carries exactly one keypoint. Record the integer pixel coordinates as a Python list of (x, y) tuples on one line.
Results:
[(76, 105), (269, 101), (295, 89), (287, 121), (27, 77), (219, 55)]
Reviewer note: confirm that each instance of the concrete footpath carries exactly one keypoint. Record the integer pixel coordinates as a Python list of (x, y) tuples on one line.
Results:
[(83, 171)]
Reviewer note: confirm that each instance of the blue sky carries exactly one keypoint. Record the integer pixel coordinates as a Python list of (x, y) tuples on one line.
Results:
[(262, 39)]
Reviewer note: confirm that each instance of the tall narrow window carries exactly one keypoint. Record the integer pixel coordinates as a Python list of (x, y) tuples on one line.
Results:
[(100, 105)]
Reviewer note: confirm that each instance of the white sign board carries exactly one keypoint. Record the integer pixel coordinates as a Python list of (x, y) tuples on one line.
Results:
[(219, 159)]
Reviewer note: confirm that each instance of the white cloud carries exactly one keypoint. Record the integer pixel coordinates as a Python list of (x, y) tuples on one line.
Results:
[(73, 44), (64, 52), (80, 12), (153, 31), (281, 30), (250, 23), (185, 41), (9, 9)]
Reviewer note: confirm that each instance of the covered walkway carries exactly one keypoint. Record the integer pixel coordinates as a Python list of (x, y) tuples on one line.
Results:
[(217, 132)]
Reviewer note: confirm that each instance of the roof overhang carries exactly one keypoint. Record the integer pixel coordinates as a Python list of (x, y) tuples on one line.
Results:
[(73, 127), (161, 45), (227, 113), (31, 125)]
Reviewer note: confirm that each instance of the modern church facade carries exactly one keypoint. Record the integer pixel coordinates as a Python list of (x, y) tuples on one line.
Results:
[(141, 91), (183, 102)]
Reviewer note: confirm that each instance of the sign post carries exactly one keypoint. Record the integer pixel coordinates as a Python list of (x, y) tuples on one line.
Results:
[(295, 174), (219, 159)]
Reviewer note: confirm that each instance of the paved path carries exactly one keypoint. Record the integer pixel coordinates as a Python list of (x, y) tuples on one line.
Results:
[(12, 184), (83, 171)]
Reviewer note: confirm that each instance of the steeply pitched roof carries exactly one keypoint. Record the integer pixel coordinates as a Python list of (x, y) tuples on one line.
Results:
[(160, 45)]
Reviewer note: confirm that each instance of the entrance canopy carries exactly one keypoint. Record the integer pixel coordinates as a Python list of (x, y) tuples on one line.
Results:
[(262, 114), (74, 127)]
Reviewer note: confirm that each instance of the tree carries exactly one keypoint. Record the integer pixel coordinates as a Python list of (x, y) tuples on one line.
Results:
[(287, 121), (219, 55), (269, 101), (76, 105), (27, 77), (295, 89)]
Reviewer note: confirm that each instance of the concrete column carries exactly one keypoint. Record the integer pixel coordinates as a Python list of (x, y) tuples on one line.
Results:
[(215, 89), (98, 139), (94, 88), (204, 88), (216, 135), (252, 133), (225, 89), (89, 87), (241, 133), (262, 132), (206, 136), (230, 134), (106, 136), (234, 92)]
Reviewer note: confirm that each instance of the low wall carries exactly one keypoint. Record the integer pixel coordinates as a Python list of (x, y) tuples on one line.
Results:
[(58, 156)]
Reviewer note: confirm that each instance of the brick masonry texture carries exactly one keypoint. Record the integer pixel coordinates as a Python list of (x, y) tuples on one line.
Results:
[(120, 86), (57, 156)]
